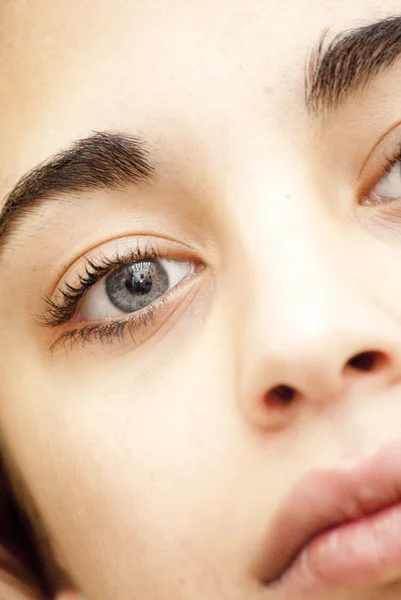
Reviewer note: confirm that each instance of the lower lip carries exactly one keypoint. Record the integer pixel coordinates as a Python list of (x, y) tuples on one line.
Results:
[(357, 555)]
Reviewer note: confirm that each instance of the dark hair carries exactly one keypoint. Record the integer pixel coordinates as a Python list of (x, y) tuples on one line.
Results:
[(18, 539)]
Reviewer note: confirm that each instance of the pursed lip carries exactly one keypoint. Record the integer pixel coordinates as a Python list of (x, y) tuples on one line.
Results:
[(324, 499)]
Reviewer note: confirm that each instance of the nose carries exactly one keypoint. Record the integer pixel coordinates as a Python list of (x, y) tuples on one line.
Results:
[(316, 330)]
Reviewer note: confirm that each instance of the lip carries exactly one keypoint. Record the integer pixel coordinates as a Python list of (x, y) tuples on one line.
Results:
[(325, 512)]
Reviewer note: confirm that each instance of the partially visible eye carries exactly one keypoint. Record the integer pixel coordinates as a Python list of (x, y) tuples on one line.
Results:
[(389, 186), (131, 288)]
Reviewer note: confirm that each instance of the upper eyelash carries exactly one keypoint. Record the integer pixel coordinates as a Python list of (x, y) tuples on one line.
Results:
[(59, 312), (391, 162)]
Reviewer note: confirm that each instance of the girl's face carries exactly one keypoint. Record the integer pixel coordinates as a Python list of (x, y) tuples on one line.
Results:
[(200, 303)]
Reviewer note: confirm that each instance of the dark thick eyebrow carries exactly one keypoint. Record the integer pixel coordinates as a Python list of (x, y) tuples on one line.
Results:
[(114, 160), (104, 160), (350, 62)]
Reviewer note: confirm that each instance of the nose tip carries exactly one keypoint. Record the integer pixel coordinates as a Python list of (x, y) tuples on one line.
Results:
[(316, 332)]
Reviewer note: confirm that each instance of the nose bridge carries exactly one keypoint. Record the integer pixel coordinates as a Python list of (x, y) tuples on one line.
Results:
[(297, 257), (302, 290), (283, 224)]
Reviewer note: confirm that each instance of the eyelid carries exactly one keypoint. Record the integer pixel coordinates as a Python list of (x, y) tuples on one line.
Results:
[(386, 149), (162, 247)]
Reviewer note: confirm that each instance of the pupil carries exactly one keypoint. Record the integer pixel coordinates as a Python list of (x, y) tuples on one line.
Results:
[(133, 287), (140, 281)]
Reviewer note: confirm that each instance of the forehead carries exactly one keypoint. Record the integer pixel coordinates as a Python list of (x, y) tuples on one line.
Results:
[(173, 68)]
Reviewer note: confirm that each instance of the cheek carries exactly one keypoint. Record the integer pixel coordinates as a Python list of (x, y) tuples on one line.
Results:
[(134, 471), (140, 483)]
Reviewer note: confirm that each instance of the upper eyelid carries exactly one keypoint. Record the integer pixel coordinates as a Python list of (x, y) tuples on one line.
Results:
[(163, 246), (385, 152)]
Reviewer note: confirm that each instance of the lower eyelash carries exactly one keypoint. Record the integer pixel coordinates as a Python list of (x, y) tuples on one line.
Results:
[(111, 331)]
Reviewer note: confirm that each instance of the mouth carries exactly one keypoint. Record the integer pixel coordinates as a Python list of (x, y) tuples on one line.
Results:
[(337, 530)]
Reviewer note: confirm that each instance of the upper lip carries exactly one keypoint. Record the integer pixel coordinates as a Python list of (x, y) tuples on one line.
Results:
[(325, 499)]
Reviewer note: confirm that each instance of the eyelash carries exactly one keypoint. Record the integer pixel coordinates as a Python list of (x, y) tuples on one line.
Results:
[(390, 163), (62, 311), (389, 160), (107, 333)]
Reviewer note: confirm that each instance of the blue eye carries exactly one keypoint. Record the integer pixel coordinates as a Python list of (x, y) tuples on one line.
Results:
[(131, 288)]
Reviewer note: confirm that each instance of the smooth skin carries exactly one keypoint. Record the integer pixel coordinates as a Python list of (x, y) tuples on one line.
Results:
[(157, 465)]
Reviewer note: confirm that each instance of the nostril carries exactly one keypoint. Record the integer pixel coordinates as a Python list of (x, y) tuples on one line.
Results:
[(280, 395), (366, 361)]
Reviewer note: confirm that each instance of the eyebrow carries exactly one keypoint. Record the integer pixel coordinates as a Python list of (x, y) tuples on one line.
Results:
[(350, 62), (103, 160), (109, 160)]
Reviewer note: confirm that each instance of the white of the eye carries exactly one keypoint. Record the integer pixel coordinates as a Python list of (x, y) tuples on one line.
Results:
[(390, 185), (96, 304)]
